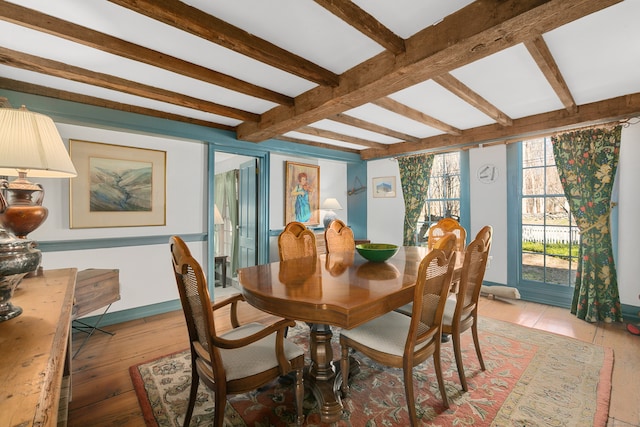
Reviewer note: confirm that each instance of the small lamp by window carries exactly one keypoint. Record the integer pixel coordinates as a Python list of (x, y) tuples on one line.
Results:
[(330, 205)]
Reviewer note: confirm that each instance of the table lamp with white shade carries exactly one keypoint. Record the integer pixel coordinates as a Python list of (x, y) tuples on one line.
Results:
[(330, 205), (29, 145)]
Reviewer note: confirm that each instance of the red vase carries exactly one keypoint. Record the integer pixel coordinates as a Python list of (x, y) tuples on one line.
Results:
[(23, 212)]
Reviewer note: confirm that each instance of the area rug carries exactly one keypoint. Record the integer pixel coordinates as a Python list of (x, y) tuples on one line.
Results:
[(532, 378)]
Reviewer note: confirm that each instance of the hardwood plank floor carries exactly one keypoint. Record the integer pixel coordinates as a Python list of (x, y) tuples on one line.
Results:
[(103, 393)]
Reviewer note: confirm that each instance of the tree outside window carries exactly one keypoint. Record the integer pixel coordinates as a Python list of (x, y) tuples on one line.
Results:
[(443, 194)]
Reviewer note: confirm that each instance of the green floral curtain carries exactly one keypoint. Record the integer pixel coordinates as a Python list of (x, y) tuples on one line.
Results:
[(587, 161), (414, 178)]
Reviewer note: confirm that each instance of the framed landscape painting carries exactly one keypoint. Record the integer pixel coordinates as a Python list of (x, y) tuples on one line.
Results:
[(302, 198), (116, 186)]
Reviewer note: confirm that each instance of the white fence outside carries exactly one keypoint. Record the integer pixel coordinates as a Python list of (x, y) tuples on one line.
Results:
[(536, 233)]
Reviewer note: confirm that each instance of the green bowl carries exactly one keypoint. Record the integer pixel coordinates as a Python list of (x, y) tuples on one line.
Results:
[(377, 252)]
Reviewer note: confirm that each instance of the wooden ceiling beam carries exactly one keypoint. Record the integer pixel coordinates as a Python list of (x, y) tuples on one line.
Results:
[(24, 61), (194, 21), (473, 32), (9, 84), (619, 108), (362, 21), (413, 114), (323, 133), (317, 144), (35, 20), (372, 127), (465, 93), (547, 64)]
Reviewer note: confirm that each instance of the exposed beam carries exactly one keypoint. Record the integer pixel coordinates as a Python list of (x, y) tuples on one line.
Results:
[(465, 93), (547, 64), (419, 116), (372, 127), (362, 21), (9, 84), (194, 21), (619, 108), (309, 130), (474, 32), (317, 144), (30, 18), (24, 61)]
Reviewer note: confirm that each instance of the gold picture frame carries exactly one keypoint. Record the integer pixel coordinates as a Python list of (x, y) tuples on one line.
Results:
[(384, 186), (302, 193), (116, 186)]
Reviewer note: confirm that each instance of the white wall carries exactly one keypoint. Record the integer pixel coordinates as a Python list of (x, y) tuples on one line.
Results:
[(145, 271), (333, 183), (628, 267), (385, 215), (489, 206)]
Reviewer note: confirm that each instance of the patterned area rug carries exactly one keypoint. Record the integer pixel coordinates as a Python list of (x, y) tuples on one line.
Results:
[(533, 378)]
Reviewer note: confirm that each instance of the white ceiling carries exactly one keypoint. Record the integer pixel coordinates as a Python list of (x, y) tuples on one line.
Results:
[(598, 56)]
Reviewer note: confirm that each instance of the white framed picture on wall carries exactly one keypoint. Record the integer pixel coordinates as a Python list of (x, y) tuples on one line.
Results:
[(384, 186)]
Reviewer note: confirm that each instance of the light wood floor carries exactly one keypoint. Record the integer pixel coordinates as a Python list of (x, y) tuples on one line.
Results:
[(103, 394)]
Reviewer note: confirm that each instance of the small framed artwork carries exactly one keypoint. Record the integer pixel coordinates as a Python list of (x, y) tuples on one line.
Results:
[(302, 198), (384, 186), (116, 186)]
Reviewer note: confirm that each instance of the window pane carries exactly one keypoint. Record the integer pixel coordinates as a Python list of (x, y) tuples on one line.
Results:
[(553, 181), (533, 210), (443, 194), (533, 267), (549, 157), (532, 153), (533, 181), (550, 240)]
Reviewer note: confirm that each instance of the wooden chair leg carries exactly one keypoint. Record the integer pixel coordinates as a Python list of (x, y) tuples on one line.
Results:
[(476, 342), (299, 397), (193, 393), (438, 368), (408, 389), (220, 404), (458, 354)]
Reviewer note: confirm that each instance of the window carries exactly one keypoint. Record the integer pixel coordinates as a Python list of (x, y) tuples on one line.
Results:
[(443, 195), (550, 238)]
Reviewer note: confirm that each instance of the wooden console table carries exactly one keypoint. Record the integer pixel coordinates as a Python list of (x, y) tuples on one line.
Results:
[(35, 370)]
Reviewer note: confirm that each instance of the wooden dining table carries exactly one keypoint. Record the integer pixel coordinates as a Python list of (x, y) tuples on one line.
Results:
[(341, 289)]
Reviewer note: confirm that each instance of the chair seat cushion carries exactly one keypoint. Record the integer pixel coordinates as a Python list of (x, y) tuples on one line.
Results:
[(449, 310), (254, 358), (387, 333)]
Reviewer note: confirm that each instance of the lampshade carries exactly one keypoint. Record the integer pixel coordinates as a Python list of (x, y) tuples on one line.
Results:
[(331, 203), (217, 217), (30, 142)]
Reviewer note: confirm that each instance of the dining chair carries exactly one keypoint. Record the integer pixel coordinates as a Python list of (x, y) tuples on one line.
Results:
[(461, 313), (339, 238), (243, 359), (403, 341), (447, 225), (447, 244), (296, 241), (486, 234)]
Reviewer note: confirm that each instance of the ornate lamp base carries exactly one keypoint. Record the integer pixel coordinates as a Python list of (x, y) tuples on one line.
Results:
[(7, 286), (328, 217)]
